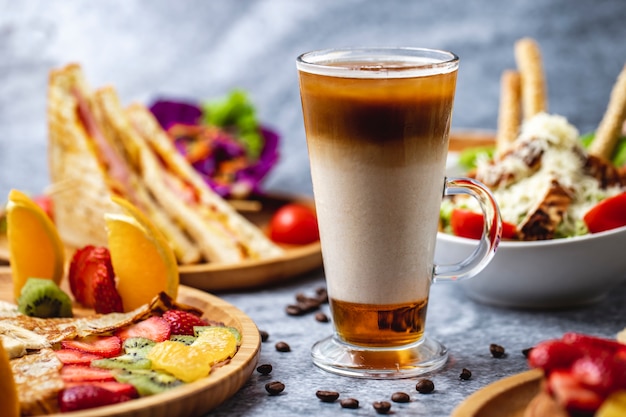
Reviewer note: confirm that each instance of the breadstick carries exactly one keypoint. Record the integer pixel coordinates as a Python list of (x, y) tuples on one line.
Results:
[(509, 114), (534, 95), (610, 127)]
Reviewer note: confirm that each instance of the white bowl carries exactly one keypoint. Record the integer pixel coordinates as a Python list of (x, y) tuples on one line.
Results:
[(546, 274)]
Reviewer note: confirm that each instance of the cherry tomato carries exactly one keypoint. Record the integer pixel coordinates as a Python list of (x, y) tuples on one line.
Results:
[(469, 224), (607, 214), (294, 224)]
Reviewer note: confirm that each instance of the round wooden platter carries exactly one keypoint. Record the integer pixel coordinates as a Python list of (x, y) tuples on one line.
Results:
[(295, 261), (507, 397), (196, 398)]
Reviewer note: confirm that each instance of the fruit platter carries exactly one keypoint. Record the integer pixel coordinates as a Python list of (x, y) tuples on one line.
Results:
[(114, 334)]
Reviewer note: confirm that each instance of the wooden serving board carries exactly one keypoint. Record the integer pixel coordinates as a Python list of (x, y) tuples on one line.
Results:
[(507, 397), (199, 397)]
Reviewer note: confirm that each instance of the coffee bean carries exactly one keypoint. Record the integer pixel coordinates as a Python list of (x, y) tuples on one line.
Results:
[(400, 397), (349, 403), (425, 386), (322, 318), (322, 295), (327, 396), (465, 374), (382, 407), (264, 335), (274, 387), (283, 347), (497, 351), (294, 310), (264, 369), (526, 352)]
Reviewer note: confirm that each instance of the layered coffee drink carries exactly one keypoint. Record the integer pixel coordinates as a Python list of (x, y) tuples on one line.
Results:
[(377, 140)]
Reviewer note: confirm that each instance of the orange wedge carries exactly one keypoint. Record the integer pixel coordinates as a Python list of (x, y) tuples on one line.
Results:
[(143, 261), (35, 248), (10, 400)]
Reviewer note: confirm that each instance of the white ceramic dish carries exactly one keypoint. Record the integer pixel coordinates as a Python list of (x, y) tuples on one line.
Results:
[(557, 273), (544, 274)]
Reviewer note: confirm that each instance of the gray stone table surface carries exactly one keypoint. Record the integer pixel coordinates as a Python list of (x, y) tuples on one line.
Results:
[(203, 49)]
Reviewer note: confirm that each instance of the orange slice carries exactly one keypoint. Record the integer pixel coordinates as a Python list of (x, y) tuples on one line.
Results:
[(182, 361), (143, 261), (217, 344), (35, 248), (10, 400)]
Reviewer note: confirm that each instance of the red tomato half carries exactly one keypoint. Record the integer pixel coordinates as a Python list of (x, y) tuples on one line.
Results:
[(607, 214), (469, 224), (294, 224)]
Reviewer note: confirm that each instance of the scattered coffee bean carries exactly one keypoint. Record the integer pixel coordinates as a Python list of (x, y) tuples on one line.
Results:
[(327, 396), (425, 386), (322, 295), (349, 403), (322, 318), (382, 407), (264, 369), (274, 387), (294, 310), (264, 335), (465, 374), (400, 397), (497, 351), (283, 347), (526, 352)]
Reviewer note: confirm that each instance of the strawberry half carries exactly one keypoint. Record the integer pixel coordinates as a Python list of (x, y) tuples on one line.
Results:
[(75, 357), (154, 328), (553, 354), (182, 322), (87, 263), (572, 395), (114, 386), (79, 373), (105, 346), (107, 299), (82, 397)]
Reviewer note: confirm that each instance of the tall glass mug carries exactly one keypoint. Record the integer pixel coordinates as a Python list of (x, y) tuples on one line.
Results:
[(377, 123)]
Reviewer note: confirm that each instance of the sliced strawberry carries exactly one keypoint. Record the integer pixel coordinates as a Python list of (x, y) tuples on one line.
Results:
[(182, 322), (78, 373), (573, 396), (553, 354), (88, 396), (114, 386), (75, 357), (107, 299), (105, 346), (155, 328), (603, 373), (87, 263), (593, 343)]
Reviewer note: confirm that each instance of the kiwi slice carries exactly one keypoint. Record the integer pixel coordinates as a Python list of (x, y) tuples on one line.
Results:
[(137, 347), (148, 382), (183, 338), (127, 361), (43, 298)]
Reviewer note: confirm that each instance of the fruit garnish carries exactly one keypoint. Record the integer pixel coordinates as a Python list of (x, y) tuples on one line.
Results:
[(80, 373), (85, 264), (218, 343), (183, 322), (35, 248), (582, 371), (105, 346), (75, 357), (10, 400), (154, 328), (143, 261), (43, 298), (107, 299), (82, 397), (114, 386), (148, 382), (186, 363)]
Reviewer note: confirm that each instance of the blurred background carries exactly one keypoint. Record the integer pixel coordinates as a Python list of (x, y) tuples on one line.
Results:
[(203, 49)]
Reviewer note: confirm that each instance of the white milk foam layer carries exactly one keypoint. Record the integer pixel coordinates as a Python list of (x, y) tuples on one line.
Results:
[(378, 225)]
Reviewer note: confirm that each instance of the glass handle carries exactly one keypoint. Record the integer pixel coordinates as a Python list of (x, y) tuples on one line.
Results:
[(492, 231)]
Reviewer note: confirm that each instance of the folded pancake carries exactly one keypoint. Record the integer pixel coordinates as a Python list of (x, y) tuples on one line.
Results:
[(99, 149)]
